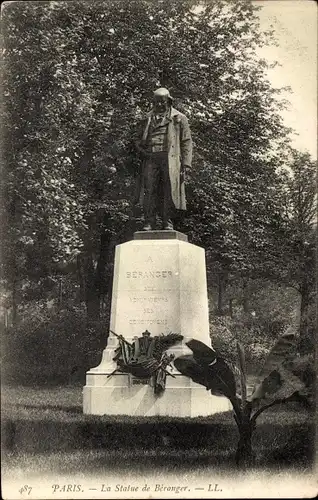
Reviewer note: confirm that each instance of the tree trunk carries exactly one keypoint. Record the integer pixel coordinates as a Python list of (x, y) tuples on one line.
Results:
[(221, 292), (81, 279), (246, 305), (101, 278), (6, 318), (60, 297), (92, 297), (96, 280), (304, 304), (14, 302), (244, 453), (231, 307), (92, 307)]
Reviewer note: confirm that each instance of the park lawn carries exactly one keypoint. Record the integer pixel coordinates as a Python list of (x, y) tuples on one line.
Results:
[(65, 403), (44, 429)]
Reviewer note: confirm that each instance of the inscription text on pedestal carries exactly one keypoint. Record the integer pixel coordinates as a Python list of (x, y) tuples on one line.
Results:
[(148, 274)]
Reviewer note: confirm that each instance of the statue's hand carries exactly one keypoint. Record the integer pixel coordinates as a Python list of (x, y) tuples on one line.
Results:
[(183, 171), (147, 154), (142, 150)]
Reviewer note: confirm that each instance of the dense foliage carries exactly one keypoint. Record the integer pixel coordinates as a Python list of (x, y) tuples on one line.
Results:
[(73, 87)]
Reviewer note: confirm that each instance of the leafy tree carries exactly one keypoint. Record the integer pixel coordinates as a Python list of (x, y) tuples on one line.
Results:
[(43, 206), (74, 85), (300, 213)]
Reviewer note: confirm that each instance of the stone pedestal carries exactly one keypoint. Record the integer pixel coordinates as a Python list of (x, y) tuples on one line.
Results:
[(159, 285)]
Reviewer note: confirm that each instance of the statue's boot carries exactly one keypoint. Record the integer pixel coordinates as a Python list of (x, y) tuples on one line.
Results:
[(167, 224), (149, 224)]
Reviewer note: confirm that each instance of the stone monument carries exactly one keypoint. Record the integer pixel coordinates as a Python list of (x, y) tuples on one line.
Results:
[(159, 282), (159, 285)]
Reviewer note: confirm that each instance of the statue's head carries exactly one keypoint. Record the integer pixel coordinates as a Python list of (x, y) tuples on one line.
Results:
[(146, 334), (162, 100)]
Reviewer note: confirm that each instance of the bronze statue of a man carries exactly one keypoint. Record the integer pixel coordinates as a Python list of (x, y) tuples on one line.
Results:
[(166, 147)]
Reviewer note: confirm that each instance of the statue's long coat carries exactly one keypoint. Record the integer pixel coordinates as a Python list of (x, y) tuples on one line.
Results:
[(179, 152)]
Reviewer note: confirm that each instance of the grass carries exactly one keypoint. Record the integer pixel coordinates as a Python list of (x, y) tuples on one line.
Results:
[(44, 429)]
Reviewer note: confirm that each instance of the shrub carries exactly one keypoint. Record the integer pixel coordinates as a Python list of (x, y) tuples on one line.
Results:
[(286, 376), (226, 331), (52, 347)]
